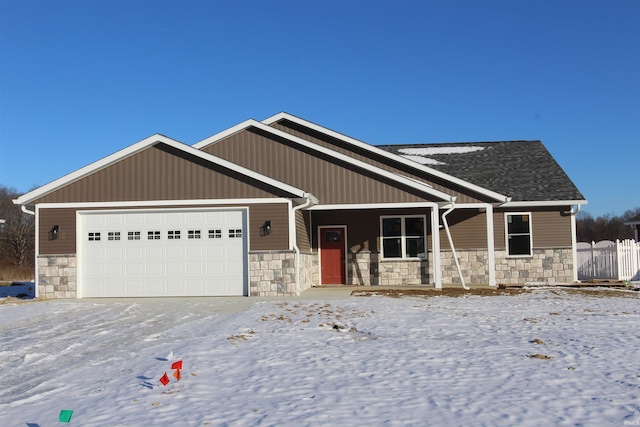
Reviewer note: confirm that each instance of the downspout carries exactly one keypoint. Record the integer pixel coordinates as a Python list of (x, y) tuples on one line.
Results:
[(310, 200), (453, 249), (27, 211), (574, 240)]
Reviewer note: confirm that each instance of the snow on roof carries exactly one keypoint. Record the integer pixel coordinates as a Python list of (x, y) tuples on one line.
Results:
[(418, 154)]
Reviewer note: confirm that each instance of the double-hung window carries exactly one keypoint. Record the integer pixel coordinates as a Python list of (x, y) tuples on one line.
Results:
[(518, 234), (403, 236)]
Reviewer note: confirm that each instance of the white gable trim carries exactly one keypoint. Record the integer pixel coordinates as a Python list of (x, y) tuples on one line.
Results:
[(543, 203), (136, 148), (388, 155), (413, 183)]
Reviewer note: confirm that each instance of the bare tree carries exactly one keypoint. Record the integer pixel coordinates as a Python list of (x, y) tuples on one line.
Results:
[(604, 227), (17, 234)]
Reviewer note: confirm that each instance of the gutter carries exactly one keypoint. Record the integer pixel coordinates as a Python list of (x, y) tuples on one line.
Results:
[(310, 200), (453, 249)]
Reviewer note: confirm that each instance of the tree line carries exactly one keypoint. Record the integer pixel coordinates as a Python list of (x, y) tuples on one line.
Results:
[(17, 238), (605, 227)]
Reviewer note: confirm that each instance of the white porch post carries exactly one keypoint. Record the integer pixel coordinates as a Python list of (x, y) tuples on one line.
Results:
[(491, 250), (435, 243)]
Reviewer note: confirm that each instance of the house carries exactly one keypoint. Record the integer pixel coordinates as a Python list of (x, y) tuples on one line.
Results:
[(635, 223), (276, 206)]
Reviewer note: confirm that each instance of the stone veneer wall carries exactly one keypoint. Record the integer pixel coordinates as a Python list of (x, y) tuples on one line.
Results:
[(366, 269), (273, 273), (546, 265), (57, 276)]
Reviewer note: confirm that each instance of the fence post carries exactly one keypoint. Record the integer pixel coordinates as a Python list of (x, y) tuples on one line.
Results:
[(619, 255), (593, 261)]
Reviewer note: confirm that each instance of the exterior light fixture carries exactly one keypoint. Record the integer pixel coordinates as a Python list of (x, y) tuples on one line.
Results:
[(265, 230), (53, 233)]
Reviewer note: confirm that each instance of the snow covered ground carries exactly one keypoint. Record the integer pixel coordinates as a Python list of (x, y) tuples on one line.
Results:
[(544, 357)]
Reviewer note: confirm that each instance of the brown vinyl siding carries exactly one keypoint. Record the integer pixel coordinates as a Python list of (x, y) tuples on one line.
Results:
[(303, 230), (468, 229), (330, 180), (278, 214), (551, 227), (65, 218), (161, 172), (463, 195)]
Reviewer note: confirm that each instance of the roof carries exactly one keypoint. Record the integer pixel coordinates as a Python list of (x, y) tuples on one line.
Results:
[(523, 170)]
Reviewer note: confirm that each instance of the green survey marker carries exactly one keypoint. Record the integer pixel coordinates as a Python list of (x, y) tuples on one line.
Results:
[(65, 416)]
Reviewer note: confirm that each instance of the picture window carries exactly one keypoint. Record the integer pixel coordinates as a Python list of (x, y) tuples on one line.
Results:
[(403, 237)]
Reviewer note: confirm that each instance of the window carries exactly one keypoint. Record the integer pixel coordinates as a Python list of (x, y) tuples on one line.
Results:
[(133, 235), (153, 235), (215, 234), (235, 233), (519, 239), (403, 237), (94, 237), (173, 234), (193, 234), (113, 235)]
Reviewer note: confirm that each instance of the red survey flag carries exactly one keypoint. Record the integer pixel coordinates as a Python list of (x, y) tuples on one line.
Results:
[(177, 375), (177, 365), (164, 379)]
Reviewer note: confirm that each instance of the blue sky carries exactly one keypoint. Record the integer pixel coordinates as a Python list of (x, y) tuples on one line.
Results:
[(82, 79)]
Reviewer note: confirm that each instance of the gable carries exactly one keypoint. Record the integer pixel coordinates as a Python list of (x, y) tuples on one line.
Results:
[(331, 180), (161, 172), (464, 192)]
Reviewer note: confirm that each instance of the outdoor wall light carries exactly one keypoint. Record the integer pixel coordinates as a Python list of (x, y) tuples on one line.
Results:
[(53, 233), (265, 230)]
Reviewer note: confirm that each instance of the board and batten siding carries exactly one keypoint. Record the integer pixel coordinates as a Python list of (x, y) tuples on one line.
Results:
[(303, 230), (65, 219), (160, 172), (463, 196), (330, 180), (468, 229)]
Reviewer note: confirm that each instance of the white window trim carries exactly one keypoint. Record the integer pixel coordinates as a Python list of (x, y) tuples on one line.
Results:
[(403, 237), (506, 234)]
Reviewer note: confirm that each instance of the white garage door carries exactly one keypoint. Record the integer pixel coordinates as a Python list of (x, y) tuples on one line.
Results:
[(162, 253)]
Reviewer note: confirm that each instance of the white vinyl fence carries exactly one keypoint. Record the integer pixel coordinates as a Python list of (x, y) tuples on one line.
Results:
[(609, 260)]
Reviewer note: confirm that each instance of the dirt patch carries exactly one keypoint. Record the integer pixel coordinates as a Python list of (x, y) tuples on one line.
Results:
[(397, 293)]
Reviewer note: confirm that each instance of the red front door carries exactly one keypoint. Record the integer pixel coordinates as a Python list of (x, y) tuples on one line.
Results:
[(332, 251)]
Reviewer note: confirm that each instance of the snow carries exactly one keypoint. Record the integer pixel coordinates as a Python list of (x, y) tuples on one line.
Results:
[(418, 154), (537, 357), (430, 151)]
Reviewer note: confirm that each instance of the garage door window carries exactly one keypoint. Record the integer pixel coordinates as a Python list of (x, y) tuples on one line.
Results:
[(133, 235), (215, 234), (173, 234), (94, 237), (193, 234), (113, 235), (153, 235), (235, 233)]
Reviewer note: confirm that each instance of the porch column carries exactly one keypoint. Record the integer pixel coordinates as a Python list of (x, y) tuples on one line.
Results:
[(435, 243), (491, 250)]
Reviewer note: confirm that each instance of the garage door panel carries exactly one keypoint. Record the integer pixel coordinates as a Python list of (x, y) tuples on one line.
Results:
[(192, 253)]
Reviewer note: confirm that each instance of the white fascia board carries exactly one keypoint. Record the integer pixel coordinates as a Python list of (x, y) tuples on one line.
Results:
[(221, 135), (426, 188), (374, 206), (542, 203), (93, 167), (391, 156), (141, 145), (162, 203)]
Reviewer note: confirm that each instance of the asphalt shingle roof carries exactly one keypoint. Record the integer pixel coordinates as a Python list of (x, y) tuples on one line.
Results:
[(523, 170)]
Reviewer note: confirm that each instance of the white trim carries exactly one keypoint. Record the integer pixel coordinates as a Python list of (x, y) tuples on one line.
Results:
[(388, 155), (403, 238), (141, 145), (344, 261), (162, 203), (506, 234), (532, 204), (491, 246), (410, 182), (373, 206)]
